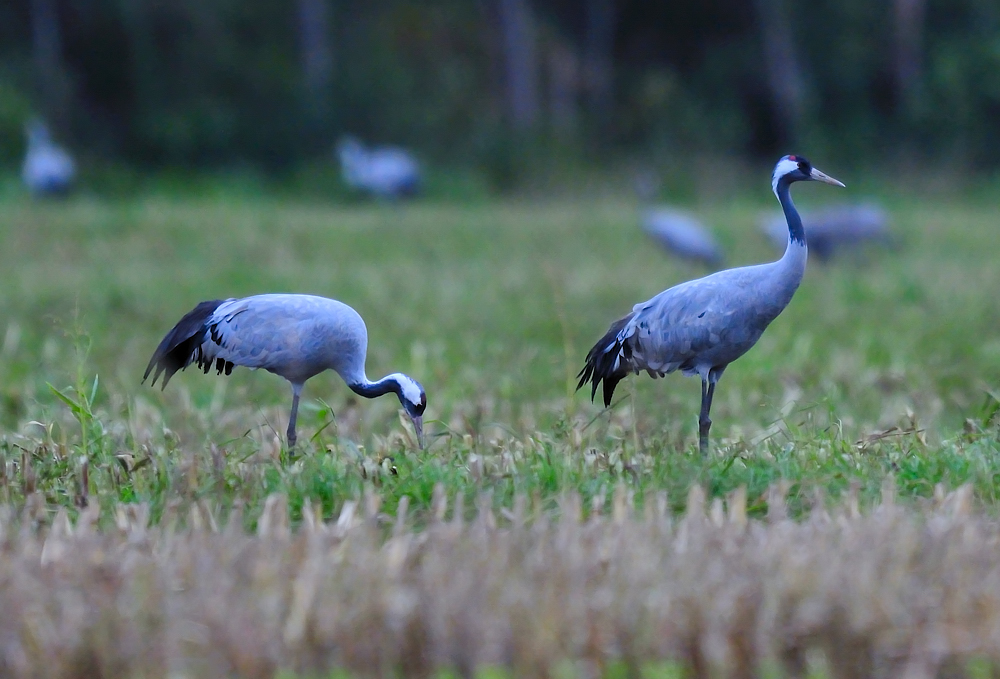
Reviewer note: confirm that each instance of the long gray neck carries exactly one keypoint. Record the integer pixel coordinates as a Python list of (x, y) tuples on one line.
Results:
[(796, 234), (792, 265), (370, 389)]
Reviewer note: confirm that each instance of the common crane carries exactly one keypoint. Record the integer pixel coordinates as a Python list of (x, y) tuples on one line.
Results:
[(836, 229), (678, 231), (682, 234), (701, 326), (48, 169), (383, 171), (294, 336)]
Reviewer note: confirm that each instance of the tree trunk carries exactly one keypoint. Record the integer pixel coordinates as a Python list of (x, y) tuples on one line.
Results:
[(521, 59), (141, 54), (52, 83), (317, 58), (908, 18), (599, 56), (563, 82), (784, 73)]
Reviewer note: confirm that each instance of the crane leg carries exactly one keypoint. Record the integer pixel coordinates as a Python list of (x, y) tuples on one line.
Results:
[(704, 421), (296, 392)]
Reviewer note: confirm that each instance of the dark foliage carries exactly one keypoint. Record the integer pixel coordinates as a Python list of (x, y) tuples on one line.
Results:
[(228, 84)]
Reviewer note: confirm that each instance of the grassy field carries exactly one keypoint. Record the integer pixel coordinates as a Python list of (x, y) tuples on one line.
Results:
[(882, 375), (887, 363)]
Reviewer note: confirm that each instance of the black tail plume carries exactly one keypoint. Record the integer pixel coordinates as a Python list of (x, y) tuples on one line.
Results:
[(181, 345), (602, 359)]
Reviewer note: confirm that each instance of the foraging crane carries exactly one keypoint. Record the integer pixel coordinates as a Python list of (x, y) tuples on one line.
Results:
[(48, 169), (701, 326), (835, 229), (682, 234), (294, 336), (384, 171)]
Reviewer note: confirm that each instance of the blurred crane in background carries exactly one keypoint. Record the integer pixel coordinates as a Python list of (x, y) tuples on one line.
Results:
[(48, 169), (683, 235), (383, 171), (838, 229), (678, 231)]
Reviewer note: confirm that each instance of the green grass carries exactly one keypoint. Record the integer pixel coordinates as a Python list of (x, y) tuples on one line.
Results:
[(492, 306)]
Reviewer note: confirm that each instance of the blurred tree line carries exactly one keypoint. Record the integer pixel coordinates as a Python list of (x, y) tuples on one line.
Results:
[(192, 83)]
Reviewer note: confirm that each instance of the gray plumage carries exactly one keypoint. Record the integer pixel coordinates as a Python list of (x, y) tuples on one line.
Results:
[(48, 169), (681, 234), (701, 326), (382, 171), (837, 229), (294, 336)]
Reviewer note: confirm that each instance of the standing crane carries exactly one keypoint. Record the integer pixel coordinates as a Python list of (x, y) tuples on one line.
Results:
[(48, 169), (701, 326), (383, 171), (294, 336)]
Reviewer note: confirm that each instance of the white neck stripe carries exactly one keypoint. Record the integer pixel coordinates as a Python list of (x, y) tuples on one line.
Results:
[(784, 166)]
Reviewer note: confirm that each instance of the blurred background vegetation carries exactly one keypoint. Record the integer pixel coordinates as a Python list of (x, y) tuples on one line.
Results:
[(500, 88)]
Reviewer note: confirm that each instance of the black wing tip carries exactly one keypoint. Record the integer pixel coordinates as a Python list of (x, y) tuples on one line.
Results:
[(584, 375), (600, 363), (610, 382), (180, 346)]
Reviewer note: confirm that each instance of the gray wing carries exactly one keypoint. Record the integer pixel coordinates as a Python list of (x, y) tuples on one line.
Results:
[(700, 325), (295, 336), (678, 329)]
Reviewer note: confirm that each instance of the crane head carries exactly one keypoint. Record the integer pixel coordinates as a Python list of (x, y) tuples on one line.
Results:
[(798, 169), (414, 401)]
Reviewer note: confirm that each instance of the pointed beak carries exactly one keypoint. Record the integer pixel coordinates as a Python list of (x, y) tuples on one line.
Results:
[(418, 426), (826, 179)]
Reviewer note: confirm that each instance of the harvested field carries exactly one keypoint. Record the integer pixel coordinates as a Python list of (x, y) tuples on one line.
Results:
[(528, 594)]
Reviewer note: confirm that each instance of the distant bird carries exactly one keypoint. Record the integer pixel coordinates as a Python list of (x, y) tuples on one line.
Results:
[(681, 233), (48, 169), (836, 229), (383, 171), (294, 336), (701, 326)]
